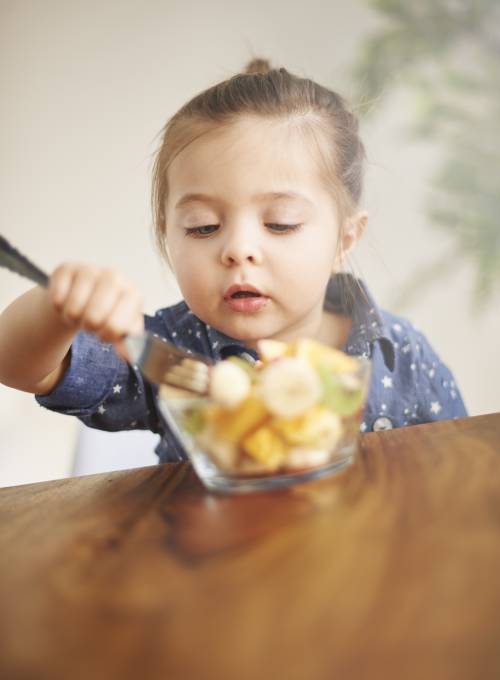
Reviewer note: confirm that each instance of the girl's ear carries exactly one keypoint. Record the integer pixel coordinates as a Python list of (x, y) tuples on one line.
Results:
[(353, 229)]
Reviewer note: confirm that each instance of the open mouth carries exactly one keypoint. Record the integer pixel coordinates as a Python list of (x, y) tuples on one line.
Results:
[(246, 301), (244, 293)]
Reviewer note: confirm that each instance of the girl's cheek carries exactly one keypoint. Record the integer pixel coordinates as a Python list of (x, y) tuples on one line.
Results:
[(182, 254), (192, 271)]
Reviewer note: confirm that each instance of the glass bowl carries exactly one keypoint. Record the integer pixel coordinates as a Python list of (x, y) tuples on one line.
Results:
[(252, 447)]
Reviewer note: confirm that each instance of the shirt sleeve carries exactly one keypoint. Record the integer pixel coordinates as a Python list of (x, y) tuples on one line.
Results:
[(102, 390), (439, 395)]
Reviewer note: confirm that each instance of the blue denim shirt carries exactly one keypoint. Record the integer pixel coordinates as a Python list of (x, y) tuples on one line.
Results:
[(409, 385)]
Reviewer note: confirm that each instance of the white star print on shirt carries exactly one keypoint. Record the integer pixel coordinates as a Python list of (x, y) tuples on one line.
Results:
[(386, 381), (101, 409), (435, 406), (117, 389)]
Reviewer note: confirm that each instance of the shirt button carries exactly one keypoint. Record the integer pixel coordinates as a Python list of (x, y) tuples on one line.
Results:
[(382, 423)]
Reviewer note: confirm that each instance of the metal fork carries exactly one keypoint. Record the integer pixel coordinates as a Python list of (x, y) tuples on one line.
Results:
[(160, 361)]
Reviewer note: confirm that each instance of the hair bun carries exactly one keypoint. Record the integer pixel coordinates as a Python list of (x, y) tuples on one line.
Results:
[(257, 66)]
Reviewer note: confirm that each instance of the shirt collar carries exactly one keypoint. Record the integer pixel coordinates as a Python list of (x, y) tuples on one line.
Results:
[(224, 346), (347, 295)]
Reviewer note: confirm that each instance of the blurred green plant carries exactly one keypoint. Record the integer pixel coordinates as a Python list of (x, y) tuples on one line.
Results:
[(446, 54)]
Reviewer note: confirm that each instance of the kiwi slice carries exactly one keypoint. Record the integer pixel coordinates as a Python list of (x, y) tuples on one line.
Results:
[(193, 421), (242, 363), (338, 394)]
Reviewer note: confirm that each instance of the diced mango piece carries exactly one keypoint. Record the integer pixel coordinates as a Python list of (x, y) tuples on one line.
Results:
[(318, 426), (316, 353), (265, 446), (233, 424), (212, 412)]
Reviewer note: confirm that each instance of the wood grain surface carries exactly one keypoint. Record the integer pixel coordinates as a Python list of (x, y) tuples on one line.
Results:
[(391, 569)]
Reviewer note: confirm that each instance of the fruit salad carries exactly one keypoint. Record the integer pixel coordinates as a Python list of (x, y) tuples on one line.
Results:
[(297, 408)]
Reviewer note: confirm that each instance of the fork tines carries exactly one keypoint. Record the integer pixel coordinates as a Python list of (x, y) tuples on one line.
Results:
[(189, 374)]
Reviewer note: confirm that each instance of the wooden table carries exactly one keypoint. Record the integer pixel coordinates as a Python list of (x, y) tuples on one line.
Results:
[(391, 569)]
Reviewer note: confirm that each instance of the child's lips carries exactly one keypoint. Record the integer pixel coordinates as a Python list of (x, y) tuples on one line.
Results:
[(242, 287), (247, 304), (253, 302)]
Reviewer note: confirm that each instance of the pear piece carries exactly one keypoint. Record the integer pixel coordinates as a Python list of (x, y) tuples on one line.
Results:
[(271, 349)]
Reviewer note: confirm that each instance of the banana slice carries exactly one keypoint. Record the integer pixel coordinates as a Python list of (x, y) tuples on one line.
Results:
[(289, 387), (304, 457), (229, 384), (271, 349)]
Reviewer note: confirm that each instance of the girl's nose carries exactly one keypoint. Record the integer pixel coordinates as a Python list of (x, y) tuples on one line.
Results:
[(240, 248)]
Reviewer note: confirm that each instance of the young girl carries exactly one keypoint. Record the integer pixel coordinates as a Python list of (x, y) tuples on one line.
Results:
[(256, 194)]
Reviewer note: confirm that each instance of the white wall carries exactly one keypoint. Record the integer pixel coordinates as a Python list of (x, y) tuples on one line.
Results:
[(86, 86)]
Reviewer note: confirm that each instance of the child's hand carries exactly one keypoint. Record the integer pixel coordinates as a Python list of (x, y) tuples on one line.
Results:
[(97, 299)]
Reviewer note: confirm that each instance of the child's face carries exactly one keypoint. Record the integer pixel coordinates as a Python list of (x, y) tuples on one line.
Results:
[(235, 167)]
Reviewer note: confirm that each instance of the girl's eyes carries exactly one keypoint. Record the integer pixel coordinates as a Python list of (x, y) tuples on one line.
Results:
[(283, 228), (198, 232)]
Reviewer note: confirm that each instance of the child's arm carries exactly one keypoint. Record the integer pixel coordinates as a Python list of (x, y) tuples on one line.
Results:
[(34, 342), (37, 329)]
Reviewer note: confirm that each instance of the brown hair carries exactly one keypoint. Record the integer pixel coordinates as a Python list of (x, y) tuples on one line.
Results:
[(270, 93)]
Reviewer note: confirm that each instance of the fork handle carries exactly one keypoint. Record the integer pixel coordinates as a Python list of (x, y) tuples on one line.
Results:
[(11, 258)]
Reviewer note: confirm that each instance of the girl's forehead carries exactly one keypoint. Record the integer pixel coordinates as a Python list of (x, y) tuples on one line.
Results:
[(256, 153)]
